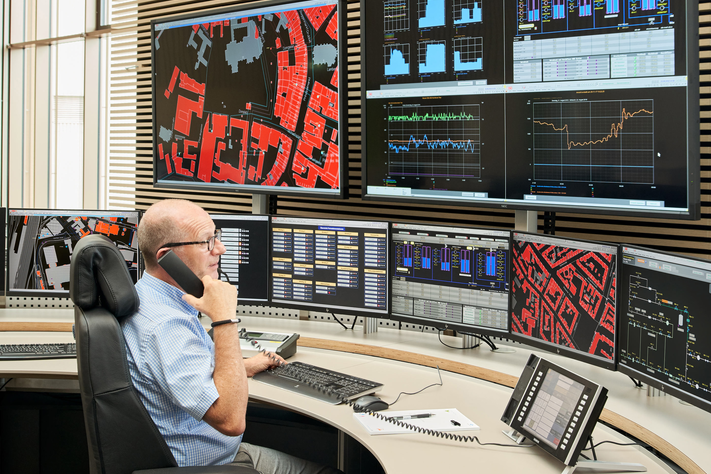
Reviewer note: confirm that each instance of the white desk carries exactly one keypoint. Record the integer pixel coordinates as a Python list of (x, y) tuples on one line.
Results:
[(683, 427)]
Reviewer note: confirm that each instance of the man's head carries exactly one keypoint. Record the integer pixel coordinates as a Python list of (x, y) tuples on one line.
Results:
[(175, 221)]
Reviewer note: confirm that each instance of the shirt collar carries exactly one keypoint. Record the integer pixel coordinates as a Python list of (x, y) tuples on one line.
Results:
[(168, 291)]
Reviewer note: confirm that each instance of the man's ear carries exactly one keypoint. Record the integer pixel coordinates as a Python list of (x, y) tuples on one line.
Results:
[(161, 252)]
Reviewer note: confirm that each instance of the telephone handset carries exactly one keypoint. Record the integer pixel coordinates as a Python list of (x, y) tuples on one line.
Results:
[(182, 275)]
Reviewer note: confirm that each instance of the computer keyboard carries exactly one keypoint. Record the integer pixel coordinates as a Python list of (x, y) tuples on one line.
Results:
[(324, 384), (49, 350)]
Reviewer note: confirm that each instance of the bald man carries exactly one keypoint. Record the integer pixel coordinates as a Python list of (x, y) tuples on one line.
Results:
[(194, 389)]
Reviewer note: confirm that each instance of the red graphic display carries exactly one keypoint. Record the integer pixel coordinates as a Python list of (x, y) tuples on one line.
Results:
[(249, 101), (564, 296)]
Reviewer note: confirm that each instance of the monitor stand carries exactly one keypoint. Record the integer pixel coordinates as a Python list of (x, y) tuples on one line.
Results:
[(468, 341), (603, 466)]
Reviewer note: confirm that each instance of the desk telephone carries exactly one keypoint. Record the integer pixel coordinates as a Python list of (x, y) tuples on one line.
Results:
[(251, 342)]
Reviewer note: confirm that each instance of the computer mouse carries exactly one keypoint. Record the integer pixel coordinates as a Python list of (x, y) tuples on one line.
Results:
[(369, 403)]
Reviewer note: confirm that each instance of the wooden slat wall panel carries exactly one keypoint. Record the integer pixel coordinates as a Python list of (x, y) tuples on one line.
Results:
[(130, 143)]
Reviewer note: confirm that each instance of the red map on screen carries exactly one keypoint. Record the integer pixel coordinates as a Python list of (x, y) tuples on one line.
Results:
[(249, 100), (564, 296)]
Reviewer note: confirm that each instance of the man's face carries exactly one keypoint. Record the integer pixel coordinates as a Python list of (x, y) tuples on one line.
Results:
[(196, 257)]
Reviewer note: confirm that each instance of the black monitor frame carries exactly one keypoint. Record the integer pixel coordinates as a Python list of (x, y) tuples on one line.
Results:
[(258, 258), (497, 101), (134, 268), (602, 312), (337, 307), (464, 232), (697, 282), (194, 183), (3, 242)]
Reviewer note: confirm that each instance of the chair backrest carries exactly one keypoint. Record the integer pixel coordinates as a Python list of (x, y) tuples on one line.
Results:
[(121, 435)]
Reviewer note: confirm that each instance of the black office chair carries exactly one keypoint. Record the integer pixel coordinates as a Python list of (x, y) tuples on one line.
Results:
[(121, 435)]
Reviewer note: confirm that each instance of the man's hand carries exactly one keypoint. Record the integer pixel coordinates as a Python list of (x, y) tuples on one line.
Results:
[(261, 362), (218, 302)]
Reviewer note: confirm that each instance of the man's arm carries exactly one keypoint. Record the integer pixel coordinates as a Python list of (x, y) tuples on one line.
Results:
[(227, 413)]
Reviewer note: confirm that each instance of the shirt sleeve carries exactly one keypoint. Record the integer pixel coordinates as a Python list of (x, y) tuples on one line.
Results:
[(182, 364)]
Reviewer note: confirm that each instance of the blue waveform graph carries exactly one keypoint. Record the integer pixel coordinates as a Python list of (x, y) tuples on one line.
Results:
[(432, 15), (432, 57), (397, 61), (466, 12), (468, 54), (446, 144), (434, 141)]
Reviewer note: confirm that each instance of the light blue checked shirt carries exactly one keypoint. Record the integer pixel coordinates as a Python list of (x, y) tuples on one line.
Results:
[(171, 360)]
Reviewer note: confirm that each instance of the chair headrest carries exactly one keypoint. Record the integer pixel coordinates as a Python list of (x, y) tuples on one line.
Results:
[(99, 277)]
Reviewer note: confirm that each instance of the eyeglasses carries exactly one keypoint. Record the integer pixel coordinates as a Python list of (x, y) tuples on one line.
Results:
[(210, 242)]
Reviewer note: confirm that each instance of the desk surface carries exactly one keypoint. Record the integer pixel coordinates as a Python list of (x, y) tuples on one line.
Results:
[(682, 427)]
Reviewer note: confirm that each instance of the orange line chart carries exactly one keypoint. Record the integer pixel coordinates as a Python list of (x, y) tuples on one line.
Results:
[(607, 141), (615, 128)]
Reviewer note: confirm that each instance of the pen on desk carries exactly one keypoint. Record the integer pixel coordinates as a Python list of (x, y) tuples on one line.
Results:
[(413, 417)]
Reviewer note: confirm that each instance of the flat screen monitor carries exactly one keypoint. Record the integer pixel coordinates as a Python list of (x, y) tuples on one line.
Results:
[(450, 277), (3, 217), (339, 266), (564, 296), (249, 99), (665, 328), (245, 263), (583, 106), (40, 244)]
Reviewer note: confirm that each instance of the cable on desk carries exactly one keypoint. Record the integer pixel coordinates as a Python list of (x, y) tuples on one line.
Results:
[(6, 382), (421, 390), (439, 335), (611, 442)]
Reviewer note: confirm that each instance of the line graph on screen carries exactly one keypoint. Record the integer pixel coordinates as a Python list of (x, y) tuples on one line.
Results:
[(429, 141), (594, 141)]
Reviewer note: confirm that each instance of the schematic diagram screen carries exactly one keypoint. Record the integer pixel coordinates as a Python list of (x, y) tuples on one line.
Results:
[(249, 99), (40, 244), (664, 324), (337, 265), (245, 264), (586, 106), (564, 295), (450, 277)]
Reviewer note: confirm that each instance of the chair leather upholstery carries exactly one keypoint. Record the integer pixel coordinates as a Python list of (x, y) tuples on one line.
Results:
[(121, 435)]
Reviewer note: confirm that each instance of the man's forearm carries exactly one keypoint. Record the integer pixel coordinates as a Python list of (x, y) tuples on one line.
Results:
[(227, 414)]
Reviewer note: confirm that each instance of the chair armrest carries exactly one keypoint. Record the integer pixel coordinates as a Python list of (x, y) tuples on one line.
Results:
[(224, 469)]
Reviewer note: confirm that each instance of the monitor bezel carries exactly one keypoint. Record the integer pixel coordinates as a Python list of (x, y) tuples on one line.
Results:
[(267, 268), (693, 156), (333, 310), (342, 192), (3, 243), (555, 348), (442, 325), (61, 212), (644, 376)]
